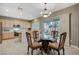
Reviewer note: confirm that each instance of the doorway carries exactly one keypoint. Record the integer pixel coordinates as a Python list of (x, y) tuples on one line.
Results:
[(70, 16)]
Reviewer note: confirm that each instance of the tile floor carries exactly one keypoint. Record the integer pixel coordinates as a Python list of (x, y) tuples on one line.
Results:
[(14, 47)]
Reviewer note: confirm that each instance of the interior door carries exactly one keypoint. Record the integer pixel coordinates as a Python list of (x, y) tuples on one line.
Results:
[(70, 29)]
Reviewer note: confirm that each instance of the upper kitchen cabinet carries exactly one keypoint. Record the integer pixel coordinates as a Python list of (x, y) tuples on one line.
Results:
[(8, 23)]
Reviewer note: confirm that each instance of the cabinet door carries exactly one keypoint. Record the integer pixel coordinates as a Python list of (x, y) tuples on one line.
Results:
[(8, 36), (9, 23)]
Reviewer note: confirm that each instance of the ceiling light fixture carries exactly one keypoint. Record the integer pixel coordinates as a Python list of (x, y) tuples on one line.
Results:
[(45, 13)]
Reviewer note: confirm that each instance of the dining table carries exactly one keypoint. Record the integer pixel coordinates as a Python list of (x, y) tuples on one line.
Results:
[(45, 39)]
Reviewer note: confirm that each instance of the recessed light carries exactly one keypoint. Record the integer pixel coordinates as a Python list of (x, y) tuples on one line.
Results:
[(7, 10)]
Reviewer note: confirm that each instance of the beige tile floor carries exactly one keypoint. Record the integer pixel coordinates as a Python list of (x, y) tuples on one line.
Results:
[(14, 47)]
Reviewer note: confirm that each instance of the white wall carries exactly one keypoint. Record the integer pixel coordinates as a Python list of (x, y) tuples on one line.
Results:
[(64, 27)]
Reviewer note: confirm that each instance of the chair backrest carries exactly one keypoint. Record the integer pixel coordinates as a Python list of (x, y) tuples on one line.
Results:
[(62, 40), (54, 33), (35, 34), (28, 36)]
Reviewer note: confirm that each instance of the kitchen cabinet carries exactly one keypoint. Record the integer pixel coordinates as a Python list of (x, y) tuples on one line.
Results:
[(8, 23), (8, 35)]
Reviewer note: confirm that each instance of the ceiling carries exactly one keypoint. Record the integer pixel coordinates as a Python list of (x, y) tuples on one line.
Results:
[(29, 10)]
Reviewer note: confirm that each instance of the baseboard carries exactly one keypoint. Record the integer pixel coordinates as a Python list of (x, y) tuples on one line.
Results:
[(75, 46)]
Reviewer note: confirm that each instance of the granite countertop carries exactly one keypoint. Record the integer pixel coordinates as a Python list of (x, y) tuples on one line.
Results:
[(10, 30), (7, 31)]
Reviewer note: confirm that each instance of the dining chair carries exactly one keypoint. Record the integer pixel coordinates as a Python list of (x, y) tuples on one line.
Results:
[(54, 34), (31, 44), (58, 46), (35, 35)]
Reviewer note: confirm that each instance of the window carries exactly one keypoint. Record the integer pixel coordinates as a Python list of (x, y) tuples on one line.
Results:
[(50, 26)]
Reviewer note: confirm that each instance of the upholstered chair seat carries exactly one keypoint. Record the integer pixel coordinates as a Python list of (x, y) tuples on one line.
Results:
[(54, 45), (36, 45)]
